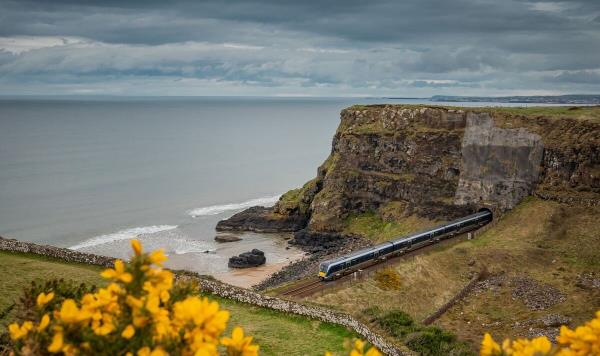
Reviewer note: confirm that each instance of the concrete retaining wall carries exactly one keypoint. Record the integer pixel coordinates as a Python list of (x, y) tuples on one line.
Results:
[(220, 289)]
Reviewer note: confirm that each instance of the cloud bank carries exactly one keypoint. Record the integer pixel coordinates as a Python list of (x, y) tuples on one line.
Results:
[(334, 48)]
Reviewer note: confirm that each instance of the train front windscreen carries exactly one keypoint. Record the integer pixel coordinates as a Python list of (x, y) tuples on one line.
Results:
[(322, 270)]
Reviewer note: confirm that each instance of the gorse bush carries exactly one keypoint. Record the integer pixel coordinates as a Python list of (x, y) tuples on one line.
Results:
[(388, 279), (27, 305), (141, 312), (359, 349), (583, 341)]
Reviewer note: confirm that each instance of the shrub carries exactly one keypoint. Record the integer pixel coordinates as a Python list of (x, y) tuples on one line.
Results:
[(388, 279), (141, 311), (397, 323), (435, 341), (422, 339)]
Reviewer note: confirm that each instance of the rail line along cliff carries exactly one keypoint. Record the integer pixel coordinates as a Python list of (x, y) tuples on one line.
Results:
[(392, 162)]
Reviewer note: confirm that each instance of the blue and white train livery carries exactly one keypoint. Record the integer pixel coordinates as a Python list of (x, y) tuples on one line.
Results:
[(335, 268)]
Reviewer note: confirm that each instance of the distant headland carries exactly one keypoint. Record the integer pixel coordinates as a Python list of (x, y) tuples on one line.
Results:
[(537, 99)]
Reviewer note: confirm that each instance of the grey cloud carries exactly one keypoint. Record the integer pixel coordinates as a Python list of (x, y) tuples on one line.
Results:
[(382, 48), (580, 76)]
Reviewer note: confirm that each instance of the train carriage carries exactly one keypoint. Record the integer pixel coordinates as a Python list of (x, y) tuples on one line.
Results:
[(335, 268)]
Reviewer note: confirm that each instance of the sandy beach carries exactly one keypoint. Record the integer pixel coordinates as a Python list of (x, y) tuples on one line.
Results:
[(248, 277)]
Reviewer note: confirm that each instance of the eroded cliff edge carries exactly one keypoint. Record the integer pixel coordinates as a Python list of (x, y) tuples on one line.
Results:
[(394, 161)]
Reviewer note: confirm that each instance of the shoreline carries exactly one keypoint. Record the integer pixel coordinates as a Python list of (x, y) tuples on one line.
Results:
[(252, 276)]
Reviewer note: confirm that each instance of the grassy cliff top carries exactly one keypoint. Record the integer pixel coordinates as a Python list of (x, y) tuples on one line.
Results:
[(576, 112)]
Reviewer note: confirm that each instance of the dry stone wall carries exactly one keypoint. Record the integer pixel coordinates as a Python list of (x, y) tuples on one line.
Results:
[(220, 289)]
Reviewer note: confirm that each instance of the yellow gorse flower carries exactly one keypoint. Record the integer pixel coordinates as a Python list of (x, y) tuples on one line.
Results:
[(137, 247), (57, 342), (44, 323), (583, 341), (69, 312), (44, 298), (118, 273), (359, 350), (239, 344), (158, 257), (128, 332), (17, 332), (489, 347)]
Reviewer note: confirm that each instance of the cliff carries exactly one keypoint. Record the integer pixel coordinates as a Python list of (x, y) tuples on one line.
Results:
[(389, 162)]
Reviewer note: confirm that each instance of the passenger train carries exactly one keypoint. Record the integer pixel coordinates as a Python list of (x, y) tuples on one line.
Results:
[(340, 266)]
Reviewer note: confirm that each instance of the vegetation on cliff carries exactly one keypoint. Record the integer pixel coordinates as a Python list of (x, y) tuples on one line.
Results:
[(544, 268), (377, 227)]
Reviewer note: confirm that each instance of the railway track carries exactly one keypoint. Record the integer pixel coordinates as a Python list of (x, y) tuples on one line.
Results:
[(312, 285), (303, 289)]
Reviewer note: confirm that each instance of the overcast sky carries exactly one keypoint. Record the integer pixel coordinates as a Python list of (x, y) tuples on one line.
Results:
[(411, 48)]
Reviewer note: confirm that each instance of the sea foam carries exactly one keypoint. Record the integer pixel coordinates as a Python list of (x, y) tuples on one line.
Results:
[(122, 235), (218, 209)]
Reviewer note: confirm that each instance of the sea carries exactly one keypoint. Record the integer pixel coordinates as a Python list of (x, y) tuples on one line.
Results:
[(91, 173)]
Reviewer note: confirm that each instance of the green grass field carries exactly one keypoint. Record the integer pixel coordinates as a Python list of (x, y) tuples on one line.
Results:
[(277, 333)]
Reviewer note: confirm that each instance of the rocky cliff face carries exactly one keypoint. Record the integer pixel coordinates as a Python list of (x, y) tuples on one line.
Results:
[(440, 163), (499, 167)]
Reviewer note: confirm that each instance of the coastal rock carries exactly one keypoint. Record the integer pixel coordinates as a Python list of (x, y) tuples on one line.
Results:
[(253, 258), (314, 242), (394, 161), (227, 238), (261, 219)]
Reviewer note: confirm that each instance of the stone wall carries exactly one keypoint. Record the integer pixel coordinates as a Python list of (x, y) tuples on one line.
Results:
[(55, 252), (220, 289)]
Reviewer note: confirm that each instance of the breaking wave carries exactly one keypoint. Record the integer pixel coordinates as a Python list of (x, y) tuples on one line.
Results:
[(218, 209), (122, 235)]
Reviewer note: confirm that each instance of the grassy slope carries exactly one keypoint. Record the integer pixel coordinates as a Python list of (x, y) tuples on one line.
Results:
[(277, 333), (376, 229), (547, 241)]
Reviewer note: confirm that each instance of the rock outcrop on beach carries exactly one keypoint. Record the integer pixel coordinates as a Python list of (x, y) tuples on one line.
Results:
[(261, 219), (227, 238), (253, 258), (438, 163)]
